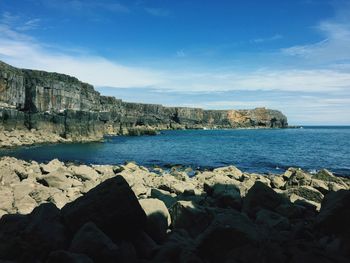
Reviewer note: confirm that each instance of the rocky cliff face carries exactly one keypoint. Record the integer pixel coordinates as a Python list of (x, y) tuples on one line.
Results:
[(63, 105)]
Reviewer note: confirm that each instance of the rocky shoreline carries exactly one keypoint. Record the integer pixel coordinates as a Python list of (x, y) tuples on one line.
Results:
[(59, 212)]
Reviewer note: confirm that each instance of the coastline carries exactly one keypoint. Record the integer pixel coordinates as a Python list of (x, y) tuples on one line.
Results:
[(21, 137), (174, 208)]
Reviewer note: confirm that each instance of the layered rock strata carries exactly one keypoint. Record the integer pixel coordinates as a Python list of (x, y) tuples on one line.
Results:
[(59, 212), (58, 104)]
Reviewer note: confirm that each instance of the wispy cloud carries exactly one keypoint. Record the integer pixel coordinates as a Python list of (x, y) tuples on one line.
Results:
[(180, 53), (30, 24), (267, 39), (86, 6), (18, 48), (18, 23), (334, 47), (161, 12)]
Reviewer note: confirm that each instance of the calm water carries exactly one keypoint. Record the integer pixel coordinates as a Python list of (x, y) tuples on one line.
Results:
[(262, 151)]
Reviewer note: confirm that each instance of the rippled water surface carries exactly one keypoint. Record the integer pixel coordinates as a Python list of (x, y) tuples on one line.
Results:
[(270, 150)]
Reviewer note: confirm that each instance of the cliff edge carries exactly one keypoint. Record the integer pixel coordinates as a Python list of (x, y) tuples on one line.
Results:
[(68, 109)]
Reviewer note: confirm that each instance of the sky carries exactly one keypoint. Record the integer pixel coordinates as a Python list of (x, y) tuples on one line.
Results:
[(290, 55)]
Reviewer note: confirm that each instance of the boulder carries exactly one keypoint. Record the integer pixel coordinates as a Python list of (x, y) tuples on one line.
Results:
[(11, 227), (297, 178), (306, 192), (320, 185), (59, 199), (334, 217), (144, 245), (24, 205), (91, 241), (228, 231), (261, 196), (57, 179), (44, 233), (84, 172), (272, 220), (169, 183), (226, 195), (60, 256), (112, 206), (158, 218), (6, 199), (191, 217), (179, 247), (230, 171), (168, 198), (52, 166), (277, 182), (8, 176)]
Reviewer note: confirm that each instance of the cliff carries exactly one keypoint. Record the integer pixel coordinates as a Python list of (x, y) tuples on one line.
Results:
[(63, 105)]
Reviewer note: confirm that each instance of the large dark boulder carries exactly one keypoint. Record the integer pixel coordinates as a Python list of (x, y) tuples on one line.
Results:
[(32, 237), (228, 231), (11, 227), (91, 241), (334, 217), (261, 196), (112, 206)]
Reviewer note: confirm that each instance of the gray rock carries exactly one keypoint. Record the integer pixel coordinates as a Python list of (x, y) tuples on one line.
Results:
[(165, 196), (44, 233), (306, 192), (272, 220), (91, 241), (8, 176), (228, 231), (229, 171), (52, 166), (191, 217), (57, 179), (84, 172), (112, 206), (334, 217), (11, 228), (226, 195), (6, 199), (261, 196), (24, 205), (277, 182), (158, 218)]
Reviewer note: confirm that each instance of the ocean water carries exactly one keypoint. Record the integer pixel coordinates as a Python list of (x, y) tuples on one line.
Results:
[(263, 151)]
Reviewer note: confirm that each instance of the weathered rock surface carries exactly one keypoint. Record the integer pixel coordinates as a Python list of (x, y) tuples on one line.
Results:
[(37, 107), (112, 206), (127, 213)]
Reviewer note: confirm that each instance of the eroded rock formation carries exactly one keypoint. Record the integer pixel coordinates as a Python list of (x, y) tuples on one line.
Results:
[(63, 105)]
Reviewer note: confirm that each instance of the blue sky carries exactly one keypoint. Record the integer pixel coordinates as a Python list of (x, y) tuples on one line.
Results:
[(287, 55)]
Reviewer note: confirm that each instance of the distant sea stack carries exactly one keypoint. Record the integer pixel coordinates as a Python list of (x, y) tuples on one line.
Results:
[(61, 105)]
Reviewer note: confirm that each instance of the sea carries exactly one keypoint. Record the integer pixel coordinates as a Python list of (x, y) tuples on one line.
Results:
[(267, 151)]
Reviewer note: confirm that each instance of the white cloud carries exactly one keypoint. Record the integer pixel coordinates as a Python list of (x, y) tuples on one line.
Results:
[(22, 51), (335, 45)]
